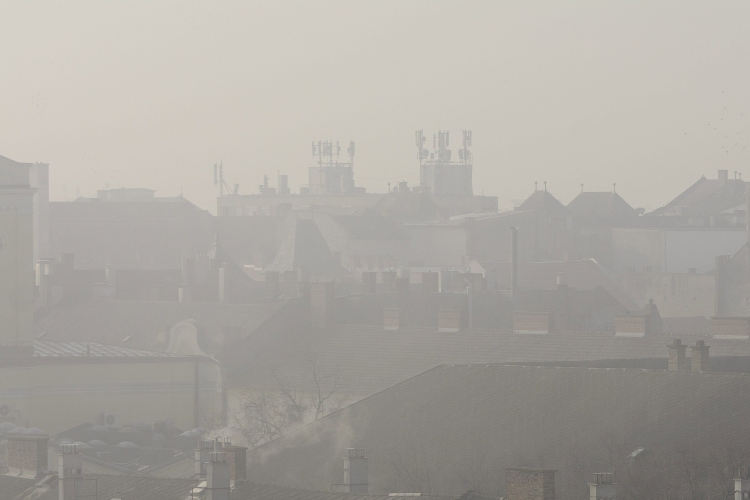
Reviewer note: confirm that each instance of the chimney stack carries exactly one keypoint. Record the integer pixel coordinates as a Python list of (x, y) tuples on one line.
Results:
[(69, 472), (530, 484), (201, 457), (700, 356), (741, 483), (27, 455), (677, 359), (723, 176), (355, 471), (603, 487), (218, 477), (237, 458)]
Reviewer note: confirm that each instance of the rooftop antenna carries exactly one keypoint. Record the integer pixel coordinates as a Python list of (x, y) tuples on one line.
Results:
[(219, 179)]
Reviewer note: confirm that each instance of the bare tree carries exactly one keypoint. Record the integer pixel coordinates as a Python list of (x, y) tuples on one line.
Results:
[(265, 415)]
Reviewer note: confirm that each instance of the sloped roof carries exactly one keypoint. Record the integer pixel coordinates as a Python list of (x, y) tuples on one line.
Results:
[(600, 204), (470, 422), (52, 349), (303, 246), (543, 200), (101, 486), (581, 274), (130, 235), (706, 197), (369, 359)]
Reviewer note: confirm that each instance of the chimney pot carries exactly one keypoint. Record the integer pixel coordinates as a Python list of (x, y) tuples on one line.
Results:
[(700, 362)]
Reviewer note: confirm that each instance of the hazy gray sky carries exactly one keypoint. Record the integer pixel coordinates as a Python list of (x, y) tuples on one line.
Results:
[(151, 94)]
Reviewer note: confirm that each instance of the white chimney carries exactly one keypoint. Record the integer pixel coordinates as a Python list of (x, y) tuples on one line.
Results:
[(741, 483), (218, 477), (202, 454), (603, 487), (355, 470), (69, 472)]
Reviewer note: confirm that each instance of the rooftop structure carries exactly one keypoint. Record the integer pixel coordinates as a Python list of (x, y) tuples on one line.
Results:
[(332, 176), (438, 173)]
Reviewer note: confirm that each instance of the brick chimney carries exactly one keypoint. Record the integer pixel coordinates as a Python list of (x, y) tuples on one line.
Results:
[(700, 356), (237, 458), (391, 318), (27, 455), (449, 320), (218, 477), (530, 484), (69, 472), (321, 304), (355, 471), (677, 359), (603, 487)]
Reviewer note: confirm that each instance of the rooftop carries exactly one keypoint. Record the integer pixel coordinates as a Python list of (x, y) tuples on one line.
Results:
[(55, 349), (468, 423)]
